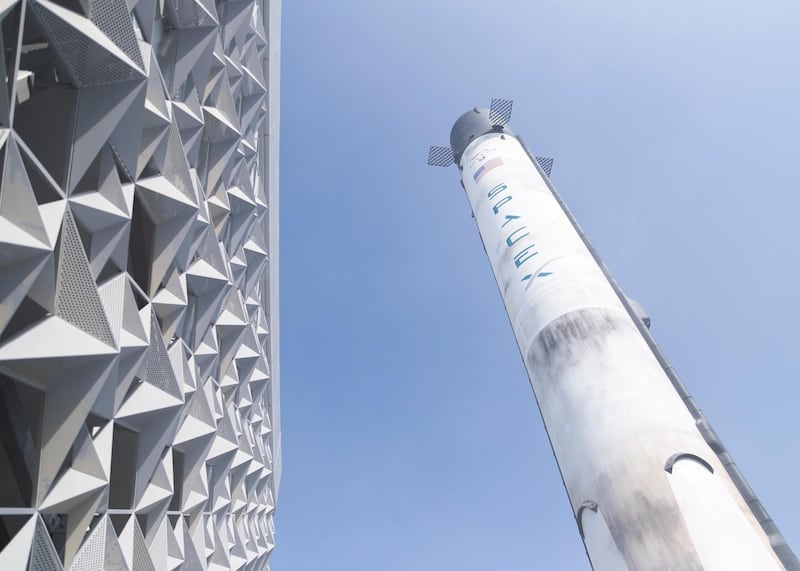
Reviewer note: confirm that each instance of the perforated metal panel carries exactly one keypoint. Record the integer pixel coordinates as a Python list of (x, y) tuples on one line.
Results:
[(191, 14), (114, 20), (90, 557), (141, 558), (159, 371), (117, 231), (89, 63), (176, 168), (112, 300), (77, 300), (43, 554)]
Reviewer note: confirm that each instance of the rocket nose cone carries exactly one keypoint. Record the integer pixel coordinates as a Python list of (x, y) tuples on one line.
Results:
[(469, 127)]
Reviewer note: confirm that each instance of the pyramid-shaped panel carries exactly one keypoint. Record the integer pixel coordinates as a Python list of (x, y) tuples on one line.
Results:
[(136, 245)]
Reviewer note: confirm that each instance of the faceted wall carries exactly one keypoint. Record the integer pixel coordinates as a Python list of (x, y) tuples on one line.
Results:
[(138, 274)]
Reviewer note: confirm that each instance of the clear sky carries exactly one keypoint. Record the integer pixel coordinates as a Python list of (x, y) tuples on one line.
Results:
[(411, 438)]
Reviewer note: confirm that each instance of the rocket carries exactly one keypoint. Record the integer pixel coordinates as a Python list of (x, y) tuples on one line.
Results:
[(650, 484)]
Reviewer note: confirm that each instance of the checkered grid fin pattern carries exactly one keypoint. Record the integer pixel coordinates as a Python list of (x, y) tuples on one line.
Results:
[(439, 156), (546, 163), (500, 111)]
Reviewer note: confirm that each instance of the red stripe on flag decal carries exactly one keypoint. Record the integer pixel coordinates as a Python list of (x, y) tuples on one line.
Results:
[(486, 167)]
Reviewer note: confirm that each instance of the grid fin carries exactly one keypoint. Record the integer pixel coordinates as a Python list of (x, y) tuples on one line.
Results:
[(546, 163), (500, 111), (439, 156)]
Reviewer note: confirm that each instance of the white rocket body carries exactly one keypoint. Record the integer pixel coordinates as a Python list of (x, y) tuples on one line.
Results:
[(646, 489)]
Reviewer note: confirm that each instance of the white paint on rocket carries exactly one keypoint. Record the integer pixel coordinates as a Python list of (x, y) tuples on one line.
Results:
[(706, 506), (600, 543), (611, 413)]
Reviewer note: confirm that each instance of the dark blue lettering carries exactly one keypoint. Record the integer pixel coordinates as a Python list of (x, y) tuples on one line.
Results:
[(496, 190), (524, 255), (513, 241), (501, 202)]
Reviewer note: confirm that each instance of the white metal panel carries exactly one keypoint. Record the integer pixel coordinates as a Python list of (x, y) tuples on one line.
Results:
[(715, 523), (600, 544)]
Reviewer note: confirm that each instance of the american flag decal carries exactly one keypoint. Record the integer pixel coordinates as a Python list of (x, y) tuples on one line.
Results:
[(486, 167)]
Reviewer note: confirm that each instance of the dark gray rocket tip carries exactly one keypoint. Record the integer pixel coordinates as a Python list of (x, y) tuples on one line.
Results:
[(470, 126)]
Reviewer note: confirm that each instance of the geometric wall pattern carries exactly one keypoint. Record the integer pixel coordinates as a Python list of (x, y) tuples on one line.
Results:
[(137, 395)]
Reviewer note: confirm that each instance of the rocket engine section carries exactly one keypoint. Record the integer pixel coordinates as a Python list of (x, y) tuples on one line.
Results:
[(646, 489)]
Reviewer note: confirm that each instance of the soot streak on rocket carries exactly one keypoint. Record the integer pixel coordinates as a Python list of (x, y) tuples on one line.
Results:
[(644, 525), (578, 330)]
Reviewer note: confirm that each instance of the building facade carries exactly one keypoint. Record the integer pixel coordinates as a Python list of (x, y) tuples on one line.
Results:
[(139, 355)]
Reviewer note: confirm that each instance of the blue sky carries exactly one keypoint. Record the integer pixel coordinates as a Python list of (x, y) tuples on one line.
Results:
[(411, 438)]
